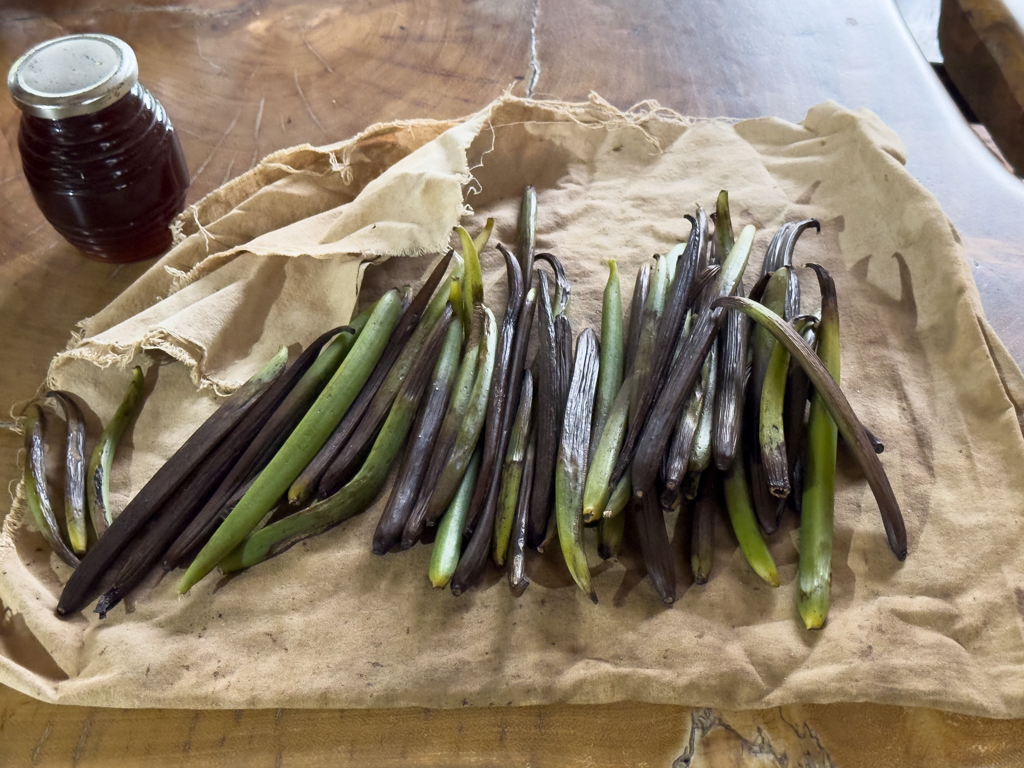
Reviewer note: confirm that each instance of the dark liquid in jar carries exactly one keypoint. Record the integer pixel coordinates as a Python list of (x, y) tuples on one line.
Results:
[(111, 182)]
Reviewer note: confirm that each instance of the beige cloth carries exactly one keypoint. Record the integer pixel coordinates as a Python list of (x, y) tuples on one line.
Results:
[(277, 256)]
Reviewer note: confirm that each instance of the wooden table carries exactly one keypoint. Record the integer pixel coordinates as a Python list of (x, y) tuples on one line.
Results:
[(241, 79)]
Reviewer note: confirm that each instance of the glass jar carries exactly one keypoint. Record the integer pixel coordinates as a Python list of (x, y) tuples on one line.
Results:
[(99, 152)]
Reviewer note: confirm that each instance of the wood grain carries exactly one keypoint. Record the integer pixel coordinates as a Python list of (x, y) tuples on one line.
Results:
[(848, 735), (241, 79)]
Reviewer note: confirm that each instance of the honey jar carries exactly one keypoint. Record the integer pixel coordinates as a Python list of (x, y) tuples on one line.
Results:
[(99, 153)]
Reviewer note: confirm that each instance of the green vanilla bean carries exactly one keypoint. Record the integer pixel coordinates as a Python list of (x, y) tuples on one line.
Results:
[(444, 558), (771, 431), (460, 430), (613, 349), (512, 471), (609, 535), (318, 364), (724, 238), (97, 489), (304, 442), (418, 315), (795, 412), (359, 493), (596, 493), (762, 344), (641, 289), (616, 500), (744, 522), (348, 460), (472, 277), (619, 498), (817, 508), (643, 363), (483, 236), (672, 260), (526, 232)]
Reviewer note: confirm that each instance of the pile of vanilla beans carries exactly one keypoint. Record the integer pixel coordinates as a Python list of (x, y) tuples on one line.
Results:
[(496, 453)]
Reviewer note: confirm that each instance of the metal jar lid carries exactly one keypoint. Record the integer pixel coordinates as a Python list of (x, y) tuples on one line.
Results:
[(73, 75)]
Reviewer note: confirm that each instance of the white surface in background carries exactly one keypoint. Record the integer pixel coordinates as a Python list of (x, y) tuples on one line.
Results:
[(922, 17)]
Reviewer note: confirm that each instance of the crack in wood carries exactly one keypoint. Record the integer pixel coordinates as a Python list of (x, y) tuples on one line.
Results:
[(38, 751), (704, 721), (306, 103), (187, 746), (76, 756), (204, 57), (220, 141), (314, 51), (227, 173), (259, 118), (808, 733), (531, 82)]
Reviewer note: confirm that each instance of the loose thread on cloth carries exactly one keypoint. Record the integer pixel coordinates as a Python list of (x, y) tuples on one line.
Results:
[(474, 187), (13, 485), (343, 167)]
